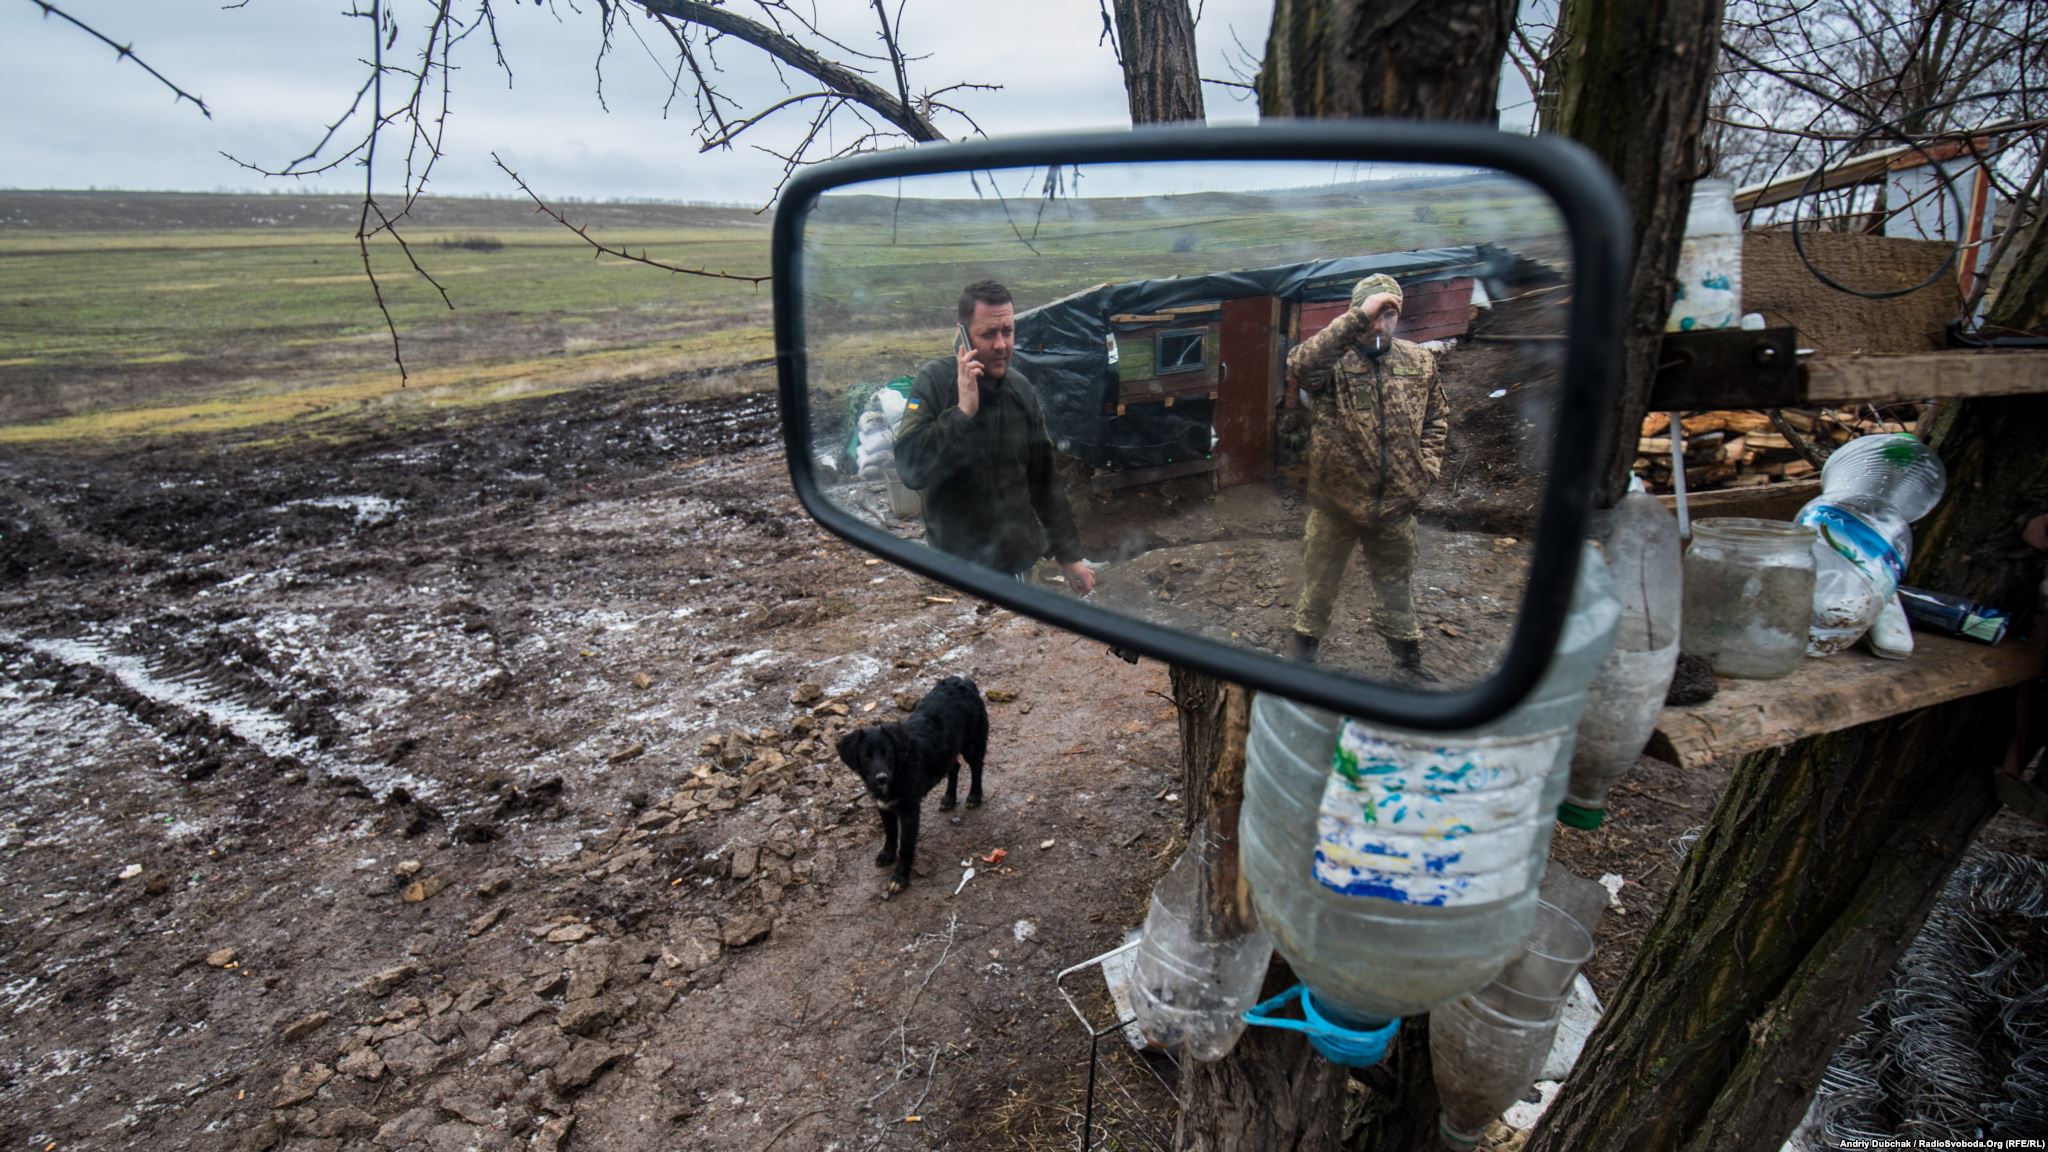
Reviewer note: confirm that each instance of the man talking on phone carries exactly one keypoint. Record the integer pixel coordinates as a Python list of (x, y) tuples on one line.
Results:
[(973, 442)]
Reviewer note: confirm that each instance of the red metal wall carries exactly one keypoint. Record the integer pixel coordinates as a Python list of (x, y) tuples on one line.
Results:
[(1431, 310)]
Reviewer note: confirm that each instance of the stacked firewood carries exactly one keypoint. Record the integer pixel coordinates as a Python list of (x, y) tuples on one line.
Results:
[(1745, 449)]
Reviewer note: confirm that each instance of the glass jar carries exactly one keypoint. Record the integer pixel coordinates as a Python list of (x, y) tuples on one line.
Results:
[(1748, 595), (1709, 274)]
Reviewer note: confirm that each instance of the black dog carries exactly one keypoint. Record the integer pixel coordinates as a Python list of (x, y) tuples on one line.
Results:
[(899, 763)]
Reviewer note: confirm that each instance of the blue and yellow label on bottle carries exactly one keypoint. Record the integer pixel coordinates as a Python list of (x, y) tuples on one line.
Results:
[(1415, 819), (1856, 541)]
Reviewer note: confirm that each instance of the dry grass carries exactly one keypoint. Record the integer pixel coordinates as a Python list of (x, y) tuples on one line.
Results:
[(331, 401)]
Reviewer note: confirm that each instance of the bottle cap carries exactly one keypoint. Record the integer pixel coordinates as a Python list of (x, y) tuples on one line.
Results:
[(1573, 816), (1351, 1047)]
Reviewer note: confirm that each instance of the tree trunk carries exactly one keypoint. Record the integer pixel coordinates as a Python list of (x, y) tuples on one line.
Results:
[(1273, 1091), (1156, 39), (1818, 864), (2022, 301), (1399, 59), (1401, 1107), (1200, 699), (1632, 86), (1439, 61), (1548, 80), (1820, 861), (1272, 1087)]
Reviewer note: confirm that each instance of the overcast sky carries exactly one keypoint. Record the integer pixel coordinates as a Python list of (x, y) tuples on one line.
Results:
[(276, 72)]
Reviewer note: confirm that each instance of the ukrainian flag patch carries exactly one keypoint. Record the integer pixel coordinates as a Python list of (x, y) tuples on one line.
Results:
[(912, 406)]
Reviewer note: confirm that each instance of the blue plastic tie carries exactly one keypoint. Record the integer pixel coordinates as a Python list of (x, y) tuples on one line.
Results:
[(1338, 1044)]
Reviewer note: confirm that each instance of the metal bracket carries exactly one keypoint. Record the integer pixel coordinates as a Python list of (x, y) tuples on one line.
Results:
[(1728, 368)]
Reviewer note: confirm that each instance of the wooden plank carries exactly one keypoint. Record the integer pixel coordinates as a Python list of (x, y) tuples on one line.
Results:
[(1925, 376), (1317, 314), (1769, 502), (1105, 481), (1436, 309), (1174, 386), (1845, 690), (1134, 360), (1850, 172), (1870, 165), (1243, 416)]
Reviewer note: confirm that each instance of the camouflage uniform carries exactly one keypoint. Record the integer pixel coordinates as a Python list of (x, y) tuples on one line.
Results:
[(1376, 447)]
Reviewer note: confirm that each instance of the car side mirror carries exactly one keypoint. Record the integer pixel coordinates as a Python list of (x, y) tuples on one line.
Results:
[(1317, 407)]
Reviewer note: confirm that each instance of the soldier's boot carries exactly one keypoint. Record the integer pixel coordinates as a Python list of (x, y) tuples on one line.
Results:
[(1303, 647), (1408, 662)]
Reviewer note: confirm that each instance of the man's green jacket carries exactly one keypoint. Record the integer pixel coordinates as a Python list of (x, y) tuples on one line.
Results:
[(990, 494)]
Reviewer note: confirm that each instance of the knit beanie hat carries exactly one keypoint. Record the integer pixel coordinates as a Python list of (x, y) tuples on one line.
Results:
[(1376, 283)]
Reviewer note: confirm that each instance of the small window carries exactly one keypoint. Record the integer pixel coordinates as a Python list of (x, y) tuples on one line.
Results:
[(1181, 351)]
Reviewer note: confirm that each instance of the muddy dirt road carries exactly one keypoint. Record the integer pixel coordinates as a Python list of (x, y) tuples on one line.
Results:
[(445, 790), (471, 786)]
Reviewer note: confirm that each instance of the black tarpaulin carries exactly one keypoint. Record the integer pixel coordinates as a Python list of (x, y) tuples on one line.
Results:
[(1063, 347)]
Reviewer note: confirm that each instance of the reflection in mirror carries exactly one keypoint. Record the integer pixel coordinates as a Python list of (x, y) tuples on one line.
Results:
[(1295, 407)]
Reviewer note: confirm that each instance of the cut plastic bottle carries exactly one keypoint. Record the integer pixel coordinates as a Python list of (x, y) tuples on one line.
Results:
[(1622, 702), (1483, 1061), (1190, 987), (1487, 1048), (1872, 489), (1407, 876)]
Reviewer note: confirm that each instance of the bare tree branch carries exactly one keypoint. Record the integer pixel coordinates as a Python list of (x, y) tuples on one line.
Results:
[(1809, 83), (725, 138), (707, 96), (369, 183), (407, 88), (121, 52), (895, 53), (1109, 33), (841, 79), (606, 250), (490, 20)]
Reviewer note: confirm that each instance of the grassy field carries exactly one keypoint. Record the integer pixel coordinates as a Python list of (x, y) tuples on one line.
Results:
[(888, 263), (129, 323), (882, 274), (126, 314)]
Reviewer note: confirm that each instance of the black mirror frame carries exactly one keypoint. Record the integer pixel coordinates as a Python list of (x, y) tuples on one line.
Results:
[(1596, 218)]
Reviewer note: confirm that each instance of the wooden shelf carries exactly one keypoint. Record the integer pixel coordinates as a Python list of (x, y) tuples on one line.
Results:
[(1882, 379), (1780, 501), (1845, 690), (1731, 368), (1109, 481)]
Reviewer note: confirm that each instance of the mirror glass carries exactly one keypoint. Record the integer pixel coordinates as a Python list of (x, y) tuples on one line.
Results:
[(1299, 407)]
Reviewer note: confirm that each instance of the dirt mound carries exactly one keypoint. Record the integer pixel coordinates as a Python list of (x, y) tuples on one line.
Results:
[(1498, 454)]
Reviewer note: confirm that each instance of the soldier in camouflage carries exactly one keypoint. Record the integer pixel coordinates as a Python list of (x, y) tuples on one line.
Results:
[(1377, 445)]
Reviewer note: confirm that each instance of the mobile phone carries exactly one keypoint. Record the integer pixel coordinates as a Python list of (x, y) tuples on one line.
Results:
[(960, 341)]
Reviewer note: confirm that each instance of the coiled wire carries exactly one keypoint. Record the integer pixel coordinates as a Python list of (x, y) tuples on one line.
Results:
[(1957, 1047)]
